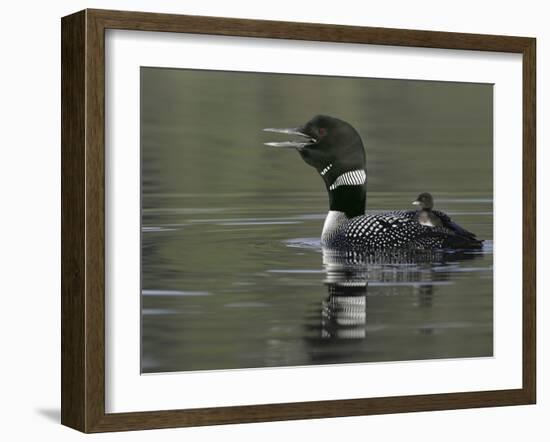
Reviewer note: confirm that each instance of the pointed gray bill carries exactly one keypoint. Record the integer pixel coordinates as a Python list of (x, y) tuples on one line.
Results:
[(293, 144)]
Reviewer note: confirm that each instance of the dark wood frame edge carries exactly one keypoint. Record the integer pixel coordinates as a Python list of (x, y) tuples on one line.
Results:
[(83, 236)]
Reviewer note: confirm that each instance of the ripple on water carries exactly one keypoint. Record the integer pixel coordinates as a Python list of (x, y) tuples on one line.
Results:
[(152, 292), (158, 311), (147, 229), (304, 243), (256, 223)]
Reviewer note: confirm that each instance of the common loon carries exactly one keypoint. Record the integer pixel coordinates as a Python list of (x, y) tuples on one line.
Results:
[(334, 148), (435, 218)]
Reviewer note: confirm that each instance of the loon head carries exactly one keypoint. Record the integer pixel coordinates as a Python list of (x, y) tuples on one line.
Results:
[(330, 145), (424, 200)]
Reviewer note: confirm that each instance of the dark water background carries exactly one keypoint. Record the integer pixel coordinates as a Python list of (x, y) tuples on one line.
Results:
[(232, 272)]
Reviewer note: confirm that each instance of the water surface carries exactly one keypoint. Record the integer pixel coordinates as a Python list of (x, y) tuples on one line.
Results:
[(233, 275)]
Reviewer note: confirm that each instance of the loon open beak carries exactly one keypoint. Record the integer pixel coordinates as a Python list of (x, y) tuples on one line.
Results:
[(291, 144), (416, 203)]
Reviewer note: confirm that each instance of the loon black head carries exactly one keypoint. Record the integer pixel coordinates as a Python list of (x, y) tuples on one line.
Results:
[(424, 200), (334, 148), (331, 146)]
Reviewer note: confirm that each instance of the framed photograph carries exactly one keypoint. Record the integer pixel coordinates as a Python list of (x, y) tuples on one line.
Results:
[(269, 220)]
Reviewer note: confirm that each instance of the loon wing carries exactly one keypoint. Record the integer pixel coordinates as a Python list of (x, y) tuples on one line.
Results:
[(454, 227), (451, 239), (446, 220)]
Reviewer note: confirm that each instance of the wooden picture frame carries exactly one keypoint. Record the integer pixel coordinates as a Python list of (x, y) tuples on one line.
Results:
[(83, 220)]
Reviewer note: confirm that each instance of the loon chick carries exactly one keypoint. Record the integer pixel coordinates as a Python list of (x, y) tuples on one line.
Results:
[(335, 149), (435, 218), (426, 216)]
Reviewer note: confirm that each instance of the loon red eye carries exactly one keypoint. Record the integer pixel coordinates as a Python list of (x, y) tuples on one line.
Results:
[(322, 131)]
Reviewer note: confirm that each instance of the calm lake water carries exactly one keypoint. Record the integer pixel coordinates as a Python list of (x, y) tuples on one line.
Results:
[(233, 275)]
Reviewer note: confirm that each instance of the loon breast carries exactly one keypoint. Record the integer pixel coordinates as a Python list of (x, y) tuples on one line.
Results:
[(333, 223)]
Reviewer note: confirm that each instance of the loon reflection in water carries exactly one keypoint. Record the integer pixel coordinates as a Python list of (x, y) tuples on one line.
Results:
[(335, 149), (351, 278)]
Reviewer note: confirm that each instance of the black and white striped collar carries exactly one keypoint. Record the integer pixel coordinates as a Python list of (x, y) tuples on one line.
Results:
[(351, 178)]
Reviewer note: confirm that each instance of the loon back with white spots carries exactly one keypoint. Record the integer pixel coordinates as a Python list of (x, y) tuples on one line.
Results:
[(382, 231), (335, 149)]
